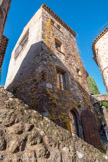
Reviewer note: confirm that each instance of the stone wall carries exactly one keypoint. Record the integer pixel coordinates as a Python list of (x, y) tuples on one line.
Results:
[(69, 56), (4, 8), (30, 51), (3, 47), (35, 84), (26, 136)]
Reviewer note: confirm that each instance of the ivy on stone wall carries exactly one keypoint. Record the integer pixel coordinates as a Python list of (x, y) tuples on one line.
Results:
[(49, 35)]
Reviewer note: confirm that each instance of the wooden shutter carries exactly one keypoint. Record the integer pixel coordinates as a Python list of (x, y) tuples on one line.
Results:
[(61, 81), (58, 80)]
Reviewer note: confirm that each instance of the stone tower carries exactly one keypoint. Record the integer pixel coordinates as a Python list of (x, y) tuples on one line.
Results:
[(31, 57), (47, 73), (62, 43), (100, 51)]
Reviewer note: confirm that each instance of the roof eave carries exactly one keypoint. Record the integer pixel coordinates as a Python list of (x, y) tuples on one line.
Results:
[(95, 41), (58, 19)]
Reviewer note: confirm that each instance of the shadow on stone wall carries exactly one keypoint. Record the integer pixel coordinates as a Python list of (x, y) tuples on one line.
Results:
[(35, 85), (39, 68)]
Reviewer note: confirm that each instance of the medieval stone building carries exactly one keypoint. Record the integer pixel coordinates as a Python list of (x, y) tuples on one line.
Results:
[(47, 73), (100, 51), (100, 55), (4, 8)]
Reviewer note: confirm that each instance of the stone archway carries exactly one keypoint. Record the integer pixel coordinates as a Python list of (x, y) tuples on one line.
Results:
[(90, 128), (99, 98)]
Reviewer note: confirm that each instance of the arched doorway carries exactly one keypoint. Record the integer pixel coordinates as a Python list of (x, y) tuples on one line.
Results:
[(90, 128), (74, 122)]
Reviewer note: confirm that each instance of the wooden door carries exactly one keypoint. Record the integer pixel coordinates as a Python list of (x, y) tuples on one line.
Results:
[(90, 128), (74, 122)]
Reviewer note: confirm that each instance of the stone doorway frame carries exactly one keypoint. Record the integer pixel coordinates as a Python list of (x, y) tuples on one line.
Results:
[(71, 113)]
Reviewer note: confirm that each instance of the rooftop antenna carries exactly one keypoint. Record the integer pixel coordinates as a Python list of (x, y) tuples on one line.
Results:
[(99, 31)]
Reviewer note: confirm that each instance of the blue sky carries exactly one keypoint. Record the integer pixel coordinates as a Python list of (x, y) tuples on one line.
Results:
[(84, 17)]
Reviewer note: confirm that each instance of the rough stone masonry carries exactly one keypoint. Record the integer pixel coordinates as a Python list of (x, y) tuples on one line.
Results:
[(26, 136), (46, 73), (4, 8)]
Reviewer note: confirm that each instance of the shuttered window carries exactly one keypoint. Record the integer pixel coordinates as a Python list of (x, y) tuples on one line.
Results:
[(61, 84), (21, 44)]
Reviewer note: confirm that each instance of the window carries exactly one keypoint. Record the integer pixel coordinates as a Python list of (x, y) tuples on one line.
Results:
[(55, 24), (58, 45), (24, 39), (58, 26), (79, 72), (61, 83), (21, 44), (18, 50), (52, 22)]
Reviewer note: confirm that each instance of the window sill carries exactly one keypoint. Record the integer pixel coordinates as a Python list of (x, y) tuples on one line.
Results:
[(79, 75), (60, 89), (63, 90), (60, 51), (57, 28)]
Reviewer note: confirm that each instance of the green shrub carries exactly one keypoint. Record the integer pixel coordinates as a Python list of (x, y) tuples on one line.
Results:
[(92, 86)]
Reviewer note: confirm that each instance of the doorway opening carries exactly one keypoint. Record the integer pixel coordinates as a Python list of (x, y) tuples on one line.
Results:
[(74, 122)]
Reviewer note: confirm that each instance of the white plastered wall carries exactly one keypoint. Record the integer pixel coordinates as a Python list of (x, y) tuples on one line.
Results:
[(101, 48), (35, 34)]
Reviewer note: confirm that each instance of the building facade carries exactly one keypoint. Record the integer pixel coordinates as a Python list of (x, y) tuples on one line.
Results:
[(4, 8), (100, 51), (47, 73)]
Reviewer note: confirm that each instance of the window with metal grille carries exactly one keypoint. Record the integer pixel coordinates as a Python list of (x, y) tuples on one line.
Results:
[(21, 44)]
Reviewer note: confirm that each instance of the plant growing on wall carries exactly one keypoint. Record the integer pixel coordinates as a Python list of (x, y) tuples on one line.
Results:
[(49, 35), (49, 40), (92, 86), (94, 90)]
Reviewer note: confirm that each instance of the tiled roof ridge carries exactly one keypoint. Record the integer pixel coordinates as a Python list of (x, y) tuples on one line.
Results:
[(58, 19)]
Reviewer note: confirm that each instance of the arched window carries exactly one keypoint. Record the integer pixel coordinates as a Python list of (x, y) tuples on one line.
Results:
[(74, 122)]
